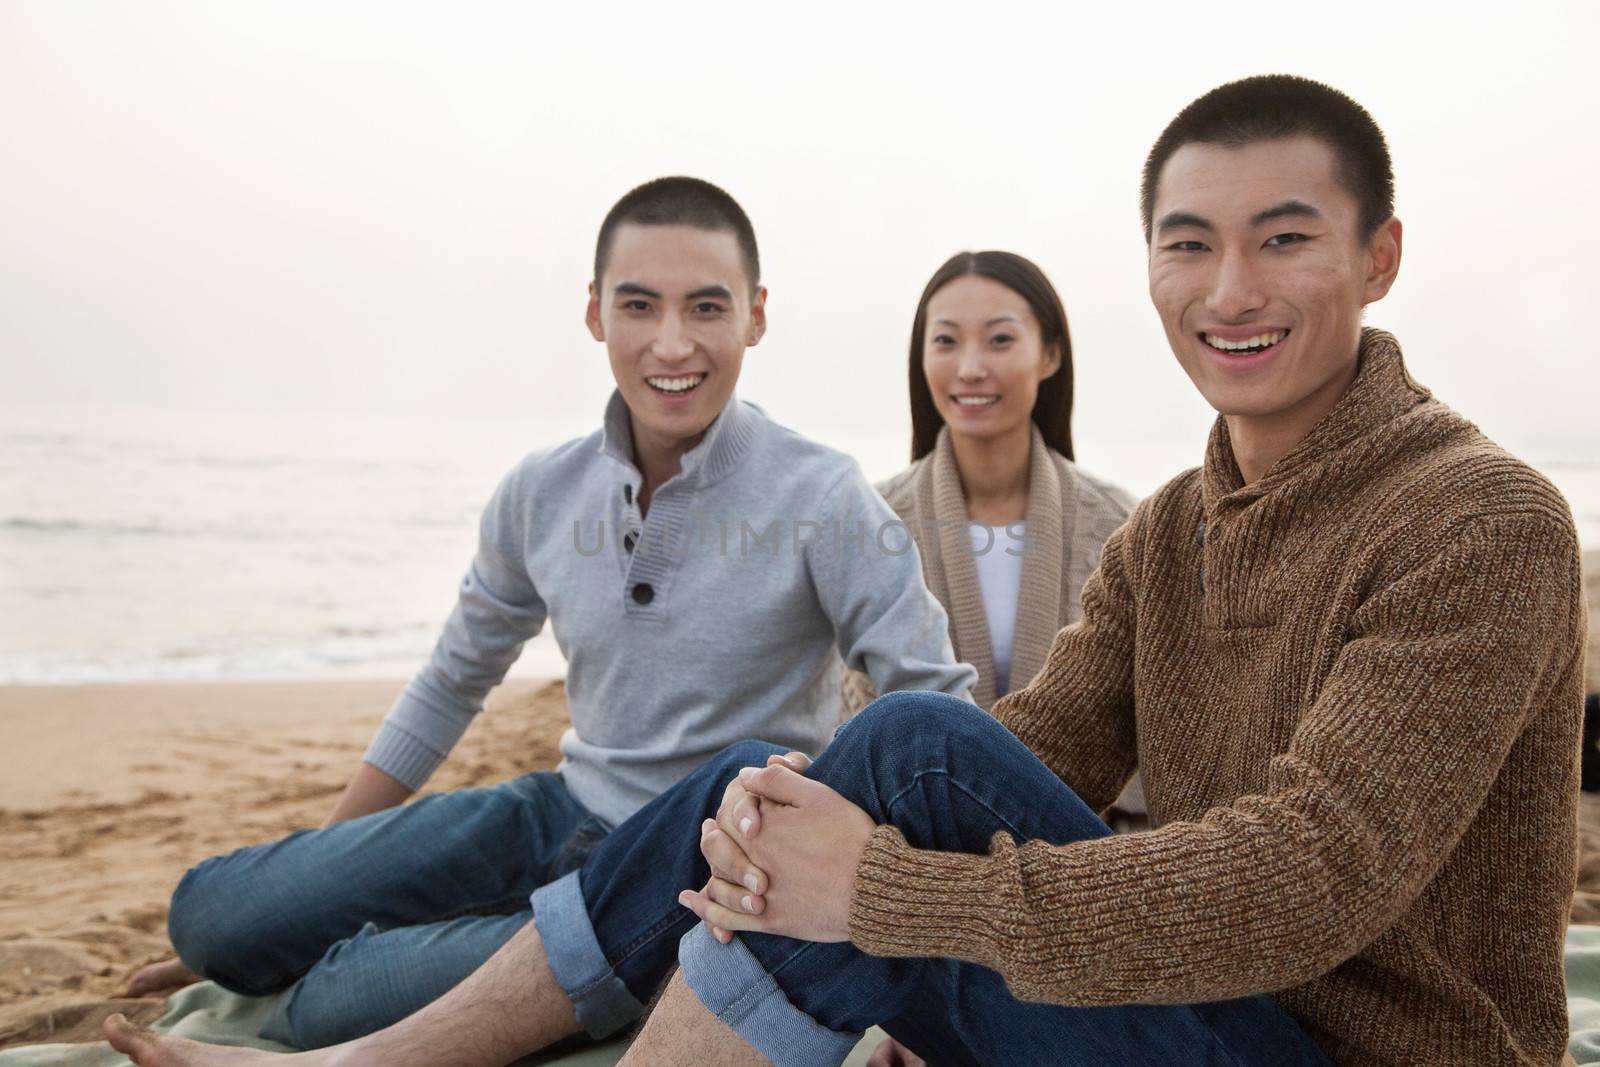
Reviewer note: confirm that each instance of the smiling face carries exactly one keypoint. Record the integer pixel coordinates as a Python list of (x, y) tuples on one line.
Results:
[(1259, 273), (676, 312), (984, 358)]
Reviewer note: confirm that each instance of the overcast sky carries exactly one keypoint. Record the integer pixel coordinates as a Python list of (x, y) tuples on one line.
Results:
[(389, 208)]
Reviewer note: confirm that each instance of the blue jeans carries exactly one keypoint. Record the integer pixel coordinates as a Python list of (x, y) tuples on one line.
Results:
[(610, 966), (949, 776), (367, 921)]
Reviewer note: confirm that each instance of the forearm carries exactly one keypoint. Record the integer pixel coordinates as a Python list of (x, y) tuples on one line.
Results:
[(1194, 912), (887, 624), (369, 790)]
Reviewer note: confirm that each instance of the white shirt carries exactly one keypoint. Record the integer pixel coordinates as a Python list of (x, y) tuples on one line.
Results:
[(997, 552)]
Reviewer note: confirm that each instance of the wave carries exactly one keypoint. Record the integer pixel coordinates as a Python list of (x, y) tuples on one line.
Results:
[(27, 524), (32, 525), (343, 650), (348, 652)]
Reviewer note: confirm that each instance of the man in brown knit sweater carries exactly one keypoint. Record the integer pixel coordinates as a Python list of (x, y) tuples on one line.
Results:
[(1345, 653)]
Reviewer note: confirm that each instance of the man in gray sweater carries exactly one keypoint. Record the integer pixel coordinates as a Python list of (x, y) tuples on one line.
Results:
[(700, 565)]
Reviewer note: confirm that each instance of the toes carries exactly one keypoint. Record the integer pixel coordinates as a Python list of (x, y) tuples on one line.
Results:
[(135, 1042), (123, 1035)]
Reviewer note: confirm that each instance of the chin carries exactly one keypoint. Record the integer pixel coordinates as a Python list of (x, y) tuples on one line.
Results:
[(1241, 402)]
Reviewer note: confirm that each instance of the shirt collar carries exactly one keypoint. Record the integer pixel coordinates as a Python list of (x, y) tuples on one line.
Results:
[(726, 440), (1382, 392)]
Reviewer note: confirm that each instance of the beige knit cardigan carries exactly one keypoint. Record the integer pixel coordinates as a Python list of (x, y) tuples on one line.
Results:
[(1070, 514), (1354, 688)]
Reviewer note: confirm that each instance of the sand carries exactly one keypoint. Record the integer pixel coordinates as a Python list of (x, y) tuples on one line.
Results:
[(109, 792)]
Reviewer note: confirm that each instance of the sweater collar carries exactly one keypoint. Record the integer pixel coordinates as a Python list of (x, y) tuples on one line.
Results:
[(955, 579), (726, 440), (1382, 392)]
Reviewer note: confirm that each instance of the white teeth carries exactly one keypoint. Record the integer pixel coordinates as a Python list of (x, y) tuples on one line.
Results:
[(1260, 340), (676, 385), (976, 401)]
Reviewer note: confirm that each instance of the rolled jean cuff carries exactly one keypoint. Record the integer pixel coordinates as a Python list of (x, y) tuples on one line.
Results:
[(599, 998), (734, 987)]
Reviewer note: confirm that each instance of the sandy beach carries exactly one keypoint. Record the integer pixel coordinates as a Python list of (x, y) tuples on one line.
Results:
[(109, 792)]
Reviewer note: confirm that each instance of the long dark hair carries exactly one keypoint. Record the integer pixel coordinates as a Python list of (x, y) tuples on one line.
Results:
[(1052, 409)]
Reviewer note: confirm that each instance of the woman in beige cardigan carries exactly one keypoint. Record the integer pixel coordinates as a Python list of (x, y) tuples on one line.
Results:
[(1008, 526)]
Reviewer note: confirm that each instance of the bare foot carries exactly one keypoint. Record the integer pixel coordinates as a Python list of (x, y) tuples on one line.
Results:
[(165, 974), (149, 1049)]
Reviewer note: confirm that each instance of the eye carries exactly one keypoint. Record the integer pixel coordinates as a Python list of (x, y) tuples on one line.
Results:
[(635, 304), (708, 307), (1279, 240), (943, 339), (1000, 340), (1186, 246)]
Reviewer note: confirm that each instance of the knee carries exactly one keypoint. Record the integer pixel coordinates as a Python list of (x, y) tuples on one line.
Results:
[(210, 929), (193, 924), (898, 720)]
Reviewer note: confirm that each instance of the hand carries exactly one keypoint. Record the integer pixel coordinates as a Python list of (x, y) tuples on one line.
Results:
[(738, 805), (810, 846), (891, 1053), (738, 818), (163, 974)]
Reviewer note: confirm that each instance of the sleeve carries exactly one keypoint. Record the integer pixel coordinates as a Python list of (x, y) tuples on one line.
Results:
[(868, 579), (1077, 715), (1442, 669), (496, 612)]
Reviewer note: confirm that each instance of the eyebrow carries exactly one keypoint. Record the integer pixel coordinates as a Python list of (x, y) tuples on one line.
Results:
[(991, 322), (1289, 209), (1172, 220), (635, 289)]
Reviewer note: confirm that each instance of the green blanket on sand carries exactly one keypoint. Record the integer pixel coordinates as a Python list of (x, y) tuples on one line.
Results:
[(206, 1012)]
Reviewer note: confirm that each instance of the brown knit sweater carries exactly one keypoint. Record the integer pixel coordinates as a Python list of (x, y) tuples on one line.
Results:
[(1354, 688)]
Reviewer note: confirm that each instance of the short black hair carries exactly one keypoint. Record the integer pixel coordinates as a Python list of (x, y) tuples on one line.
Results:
[(1269, 107), (680, 201)]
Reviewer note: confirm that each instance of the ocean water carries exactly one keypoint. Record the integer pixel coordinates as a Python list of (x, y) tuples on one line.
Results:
[(159, 546), (143, 546)]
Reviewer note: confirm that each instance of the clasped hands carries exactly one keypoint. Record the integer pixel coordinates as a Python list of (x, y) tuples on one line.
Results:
[(783, 851), (794, 878)]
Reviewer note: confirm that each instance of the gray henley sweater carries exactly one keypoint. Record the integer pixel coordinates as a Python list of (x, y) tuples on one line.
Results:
[(708, 622)]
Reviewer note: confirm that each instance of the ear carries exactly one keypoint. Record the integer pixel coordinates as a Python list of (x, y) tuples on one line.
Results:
[(758, 317), (1051, 361), (1383, 261), (591, 315)]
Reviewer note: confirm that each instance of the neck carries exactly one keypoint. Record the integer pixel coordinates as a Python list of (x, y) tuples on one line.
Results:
[(659, 459), (1260, 441), (994, 474)]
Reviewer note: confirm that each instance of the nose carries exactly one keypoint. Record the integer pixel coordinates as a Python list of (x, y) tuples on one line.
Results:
[(672, 341), (971, 367), (1236, 291)]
